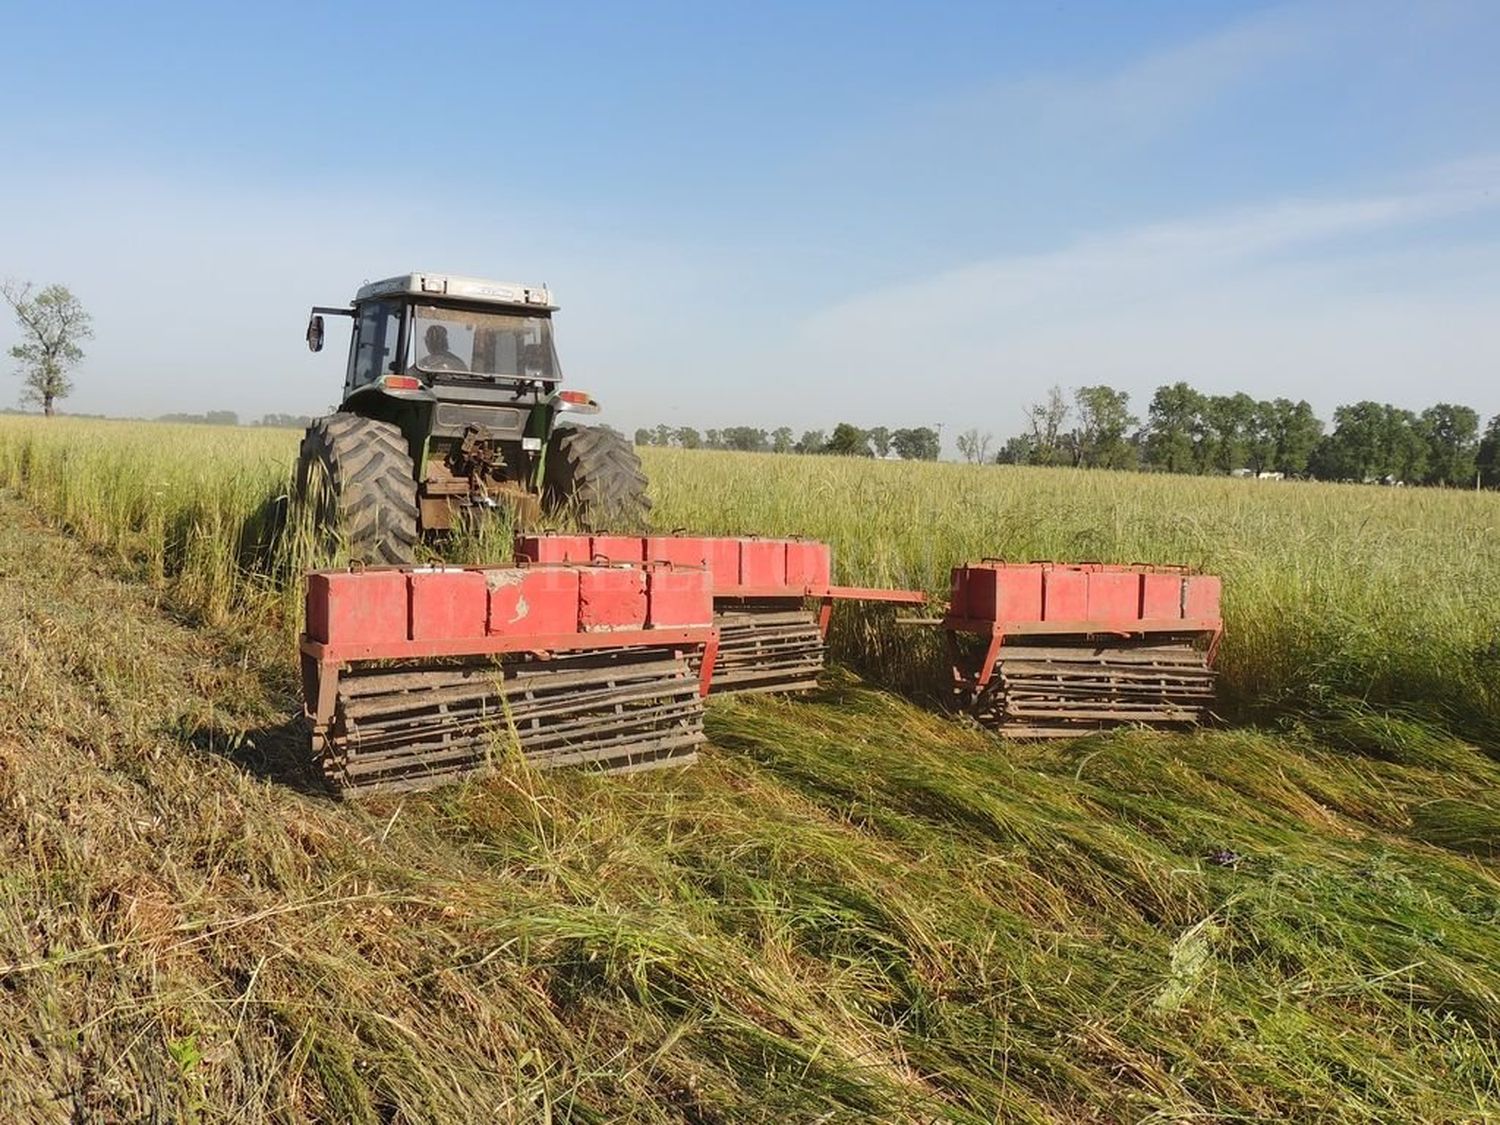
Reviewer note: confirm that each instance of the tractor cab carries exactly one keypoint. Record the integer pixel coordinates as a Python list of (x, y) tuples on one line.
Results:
[(431, 326), (466, 372)]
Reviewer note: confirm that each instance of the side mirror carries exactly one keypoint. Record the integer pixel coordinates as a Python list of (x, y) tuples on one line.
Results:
[(315, 333)]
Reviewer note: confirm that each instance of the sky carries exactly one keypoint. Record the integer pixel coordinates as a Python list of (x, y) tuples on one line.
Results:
[(779, 213)]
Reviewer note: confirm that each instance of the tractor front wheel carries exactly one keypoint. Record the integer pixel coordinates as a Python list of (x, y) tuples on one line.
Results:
[(597, 473), (356, 476)]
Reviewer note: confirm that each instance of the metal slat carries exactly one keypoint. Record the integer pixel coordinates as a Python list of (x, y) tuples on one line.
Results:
[(626, 710), (1065, 688), (769, 650)]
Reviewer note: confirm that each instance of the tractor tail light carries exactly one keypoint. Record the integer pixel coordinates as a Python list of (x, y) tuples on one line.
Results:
[(402, 383), (577, 402)]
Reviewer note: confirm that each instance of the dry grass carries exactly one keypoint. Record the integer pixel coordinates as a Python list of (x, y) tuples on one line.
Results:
[(852, 908)]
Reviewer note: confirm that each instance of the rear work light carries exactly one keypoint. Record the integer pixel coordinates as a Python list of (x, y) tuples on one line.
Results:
[(401, 383), (579, 402)]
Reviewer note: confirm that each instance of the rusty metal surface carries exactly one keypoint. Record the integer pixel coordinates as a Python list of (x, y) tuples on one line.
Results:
[(776, 646), (414, 725), (1056, 689)]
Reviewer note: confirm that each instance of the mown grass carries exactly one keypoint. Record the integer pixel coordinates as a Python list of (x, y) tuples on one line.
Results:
[(852, 908)]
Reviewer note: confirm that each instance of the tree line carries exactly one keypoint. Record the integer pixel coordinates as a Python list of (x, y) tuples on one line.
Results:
[(1184, 430), (231, 418), (1187, 431), (914, 443)]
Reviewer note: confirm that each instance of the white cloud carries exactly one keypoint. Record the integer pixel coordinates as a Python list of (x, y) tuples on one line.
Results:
[(1320, 298), (1151, 95), (992, 131)]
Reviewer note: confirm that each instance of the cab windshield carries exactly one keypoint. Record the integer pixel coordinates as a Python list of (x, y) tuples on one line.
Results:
[(461, 341)]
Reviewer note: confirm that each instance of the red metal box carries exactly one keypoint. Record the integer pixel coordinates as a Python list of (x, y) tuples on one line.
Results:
[(1200, 597), (680, 550), (724, 561), (447, 604), (617, 548), (958, 592), (1114, 596), (1065, 594), (677, 596), (1161, 596), (364, 608), (763, 563), (808, 563), (611, 598), (553, 548), (532, 601), (1003, 592)]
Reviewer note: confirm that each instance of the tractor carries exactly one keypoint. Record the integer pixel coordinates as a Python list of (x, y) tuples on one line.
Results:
[(451, 406)]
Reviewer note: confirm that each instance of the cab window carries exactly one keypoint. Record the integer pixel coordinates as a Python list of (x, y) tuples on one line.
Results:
[(376, 334)]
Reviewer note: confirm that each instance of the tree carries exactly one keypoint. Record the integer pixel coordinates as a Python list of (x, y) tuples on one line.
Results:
[(1353, 451), (745, 438), (1017, 450), (643, 436), (974, 446), (1452, 435), (1047, 419), (713, 439), (211, 418), (1227, 432), (285, 421), (848, 441), (880, 440), (1099, 441), (1407, 445), (1372, 441), (1260, 440), (916, 444), (663, 435), (1296, 431), (52, 323), (688, 438), (1489, 454), (781, 439), (811, 441), (1173, 422)]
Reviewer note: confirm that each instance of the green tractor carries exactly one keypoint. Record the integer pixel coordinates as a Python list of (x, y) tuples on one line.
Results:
[(451, 407)]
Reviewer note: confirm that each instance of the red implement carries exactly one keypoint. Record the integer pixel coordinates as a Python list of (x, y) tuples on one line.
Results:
[(414, 677), (1047, 650), (773, 598)]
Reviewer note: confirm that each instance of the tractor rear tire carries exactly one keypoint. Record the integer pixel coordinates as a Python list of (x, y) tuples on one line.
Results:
[(356, 474), (596, 473)]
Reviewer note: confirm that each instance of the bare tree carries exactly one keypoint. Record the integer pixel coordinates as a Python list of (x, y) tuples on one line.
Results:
[(974, 447), (1047, 419), (52, 324)]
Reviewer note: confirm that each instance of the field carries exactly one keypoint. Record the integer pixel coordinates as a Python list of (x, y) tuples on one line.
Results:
[(854, 907)]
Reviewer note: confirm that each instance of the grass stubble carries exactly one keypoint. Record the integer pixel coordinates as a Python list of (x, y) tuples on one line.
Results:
[(852, 908)]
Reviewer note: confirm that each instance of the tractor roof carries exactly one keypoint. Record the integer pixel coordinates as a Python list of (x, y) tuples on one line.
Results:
[(447, 286)]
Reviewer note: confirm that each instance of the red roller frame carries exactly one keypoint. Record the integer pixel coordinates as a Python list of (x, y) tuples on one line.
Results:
[(712, 552), (322, 661), (995, 630)]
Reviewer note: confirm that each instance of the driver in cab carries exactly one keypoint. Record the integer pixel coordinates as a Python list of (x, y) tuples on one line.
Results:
[(438, 357)]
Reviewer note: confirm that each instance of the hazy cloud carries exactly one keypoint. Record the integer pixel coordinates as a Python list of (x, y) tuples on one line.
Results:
[(1315, 297)]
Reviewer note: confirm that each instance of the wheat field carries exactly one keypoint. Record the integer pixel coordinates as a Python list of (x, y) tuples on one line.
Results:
[(855, 907)]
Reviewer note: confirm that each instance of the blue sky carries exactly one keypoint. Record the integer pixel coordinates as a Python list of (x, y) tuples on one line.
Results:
[(800, 213)]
